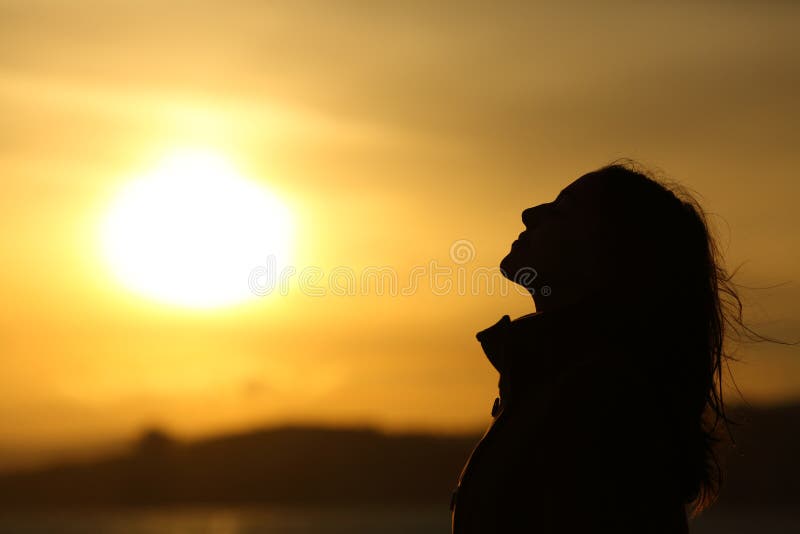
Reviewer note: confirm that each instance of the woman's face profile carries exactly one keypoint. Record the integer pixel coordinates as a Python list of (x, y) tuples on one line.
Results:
[(562, 242)]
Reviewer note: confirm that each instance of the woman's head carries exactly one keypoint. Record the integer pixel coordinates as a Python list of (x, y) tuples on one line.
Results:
[(614, 233), (641, 250)]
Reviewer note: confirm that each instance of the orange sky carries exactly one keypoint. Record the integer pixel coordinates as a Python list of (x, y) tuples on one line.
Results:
[(391, 133)]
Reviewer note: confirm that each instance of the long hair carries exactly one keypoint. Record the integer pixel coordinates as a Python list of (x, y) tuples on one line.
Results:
[(669, 269)]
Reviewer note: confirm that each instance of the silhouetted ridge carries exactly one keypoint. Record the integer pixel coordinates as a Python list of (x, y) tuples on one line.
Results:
[(289, 465), (313, 465)]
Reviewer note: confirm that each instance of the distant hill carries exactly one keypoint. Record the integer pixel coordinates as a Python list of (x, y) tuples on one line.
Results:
[(287, 465), (312, 465), (763, 468)]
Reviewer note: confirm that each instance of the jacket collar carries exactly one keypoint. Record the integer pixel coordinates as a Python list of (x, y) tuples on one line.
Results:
[(530, 349)]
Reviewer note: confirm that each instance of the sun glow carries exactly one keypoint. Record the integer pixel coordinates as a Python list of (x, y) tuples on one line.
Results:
[(189, 232)]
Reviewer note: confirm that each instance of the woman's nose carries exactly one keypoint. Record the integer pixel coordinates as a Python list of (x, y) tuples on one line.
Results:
[(526, 216), (532, 216), (529, 216)]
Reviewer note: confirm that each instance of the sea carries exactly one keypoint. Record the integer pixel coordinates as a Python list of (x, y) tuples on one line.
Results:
[(323, 520)]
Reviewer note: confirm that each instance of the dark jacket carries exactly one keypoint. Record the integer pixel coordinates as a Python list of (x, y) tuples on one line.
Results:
[(577, 442)]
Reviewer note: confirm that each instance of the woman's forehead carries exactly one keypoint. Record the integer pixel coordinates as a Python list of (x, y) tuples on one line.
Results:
[(588, 184)]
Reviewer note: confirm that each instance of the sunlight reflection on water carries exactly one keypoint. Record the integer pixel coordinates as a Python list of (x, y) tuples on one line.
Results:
[(236, 521)]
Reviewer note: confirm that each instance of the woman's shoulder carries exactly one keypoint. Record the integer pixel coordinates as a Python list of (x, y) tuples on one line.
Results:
[(605, 392)]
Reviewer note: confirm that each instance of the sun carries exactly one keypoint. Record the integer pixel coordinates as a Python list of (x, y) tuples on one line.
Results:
[(190, 231)]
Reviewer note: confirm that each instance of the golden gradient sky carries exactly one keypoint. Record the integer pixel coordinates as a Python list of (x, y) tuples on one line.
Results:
[(391, 132)]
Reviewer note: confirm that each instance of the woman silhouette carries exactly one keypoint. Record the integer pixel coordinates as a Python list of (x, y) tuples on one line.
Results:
[(610, 393)]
